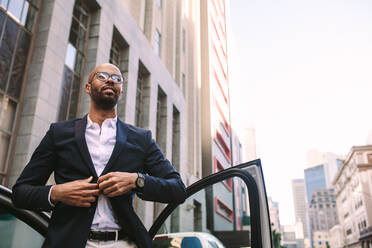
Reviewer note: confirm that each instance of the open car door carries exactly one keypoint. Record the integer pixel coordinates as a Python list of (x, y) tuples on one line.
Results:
[(226, 209)]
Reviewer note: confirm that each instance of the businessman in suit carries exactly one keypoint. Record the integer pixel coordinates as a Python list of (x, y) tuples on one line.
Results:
[(99, 162)]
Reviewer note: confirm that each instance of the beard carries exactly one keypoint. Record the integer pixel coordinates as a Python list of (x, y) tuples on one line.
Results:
[(104, 101)]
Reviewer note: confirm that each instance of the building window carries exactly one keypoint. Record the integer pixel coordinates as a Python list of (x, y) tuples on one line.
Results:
[(369, 157), (142, 97), (74, 62), (161, 120), (176, 135), (15, 42), (157, 46), (223, 146), (23, 11), (219, 167), (115, 53), (119, 56), (222, 209)]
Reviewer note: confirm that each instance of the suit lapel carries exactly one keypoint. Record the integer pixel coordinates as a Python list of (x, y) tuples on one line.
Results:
[(121, 137), (80, 126)]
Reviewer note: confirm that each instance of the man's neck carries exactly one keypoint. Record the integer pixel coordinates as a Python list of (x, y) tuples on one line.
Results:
[(99, 115)]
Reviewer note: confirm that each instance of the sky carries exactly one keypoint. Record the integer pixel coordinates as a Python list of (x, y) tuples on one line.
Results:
[(301, 75)]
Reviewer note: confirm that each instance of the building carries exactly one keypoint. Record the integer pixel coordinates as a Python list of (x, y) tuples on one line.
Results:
[(336, 237), (292, 236), (216, 128), (330, 161), (320, 239), (322, 210), (353, 189), (274, 214), (314, 180), (299, 202), (48, 50)]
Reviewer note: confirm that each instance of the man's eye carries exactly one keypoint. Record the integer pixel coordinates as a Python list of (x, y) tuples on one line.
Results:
[(102, 77)]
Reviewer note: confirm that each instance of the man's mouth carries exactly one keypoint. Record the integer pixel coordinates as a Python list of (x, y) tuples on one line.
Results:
[(109, 90)]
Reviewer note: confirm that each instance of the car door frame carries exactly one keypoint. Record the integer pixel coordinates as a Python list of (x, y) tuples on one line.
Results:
[(254, 193), (38, 221)]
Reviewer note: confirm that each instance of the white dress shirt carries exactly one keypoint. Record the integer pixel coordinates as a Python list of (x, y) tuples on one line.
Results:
[(101, 142)]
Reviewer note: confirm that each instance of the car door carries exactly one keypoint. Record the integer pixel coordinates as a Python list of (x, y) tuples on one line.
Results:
[(20, 228), (230, 205)]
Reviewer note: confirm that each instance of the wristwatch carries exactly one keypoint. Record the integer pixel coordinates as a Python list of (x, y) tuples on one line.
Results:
[(140, 182)]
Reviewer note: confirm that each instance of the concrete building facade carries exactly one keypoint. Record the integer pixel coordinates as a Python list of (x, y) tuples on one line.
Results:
[(49, 47), (353, 188), (322, 210), (299, 202)]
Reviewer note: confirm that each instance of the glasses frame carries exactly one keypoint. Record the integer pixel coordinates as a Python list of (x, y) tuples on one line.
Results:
[(108, 77)]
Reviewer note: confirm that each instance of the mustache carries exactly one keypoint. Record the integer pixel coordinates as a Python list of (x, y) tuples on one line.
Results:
[(109, 87)]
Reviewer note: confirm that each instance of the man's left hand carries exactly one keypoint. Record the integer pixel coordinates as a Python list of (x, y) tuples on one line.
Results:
[(117, 183)]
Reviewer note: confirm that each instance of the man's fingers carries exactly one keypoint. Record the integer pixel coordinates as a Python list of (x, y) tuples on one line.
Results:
[(88, 186), (93, 192), (105, 184), (104, 177), (87, 180), (108, 190)]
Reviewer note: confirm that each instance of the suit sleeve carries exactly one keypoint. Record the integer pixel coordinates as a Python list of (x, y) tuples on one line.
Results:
[(29, 191), (162, 182)]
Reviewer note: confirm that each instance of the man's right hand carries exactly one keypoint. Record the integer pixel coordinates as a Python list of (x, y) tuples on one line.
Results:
[(79, 193)]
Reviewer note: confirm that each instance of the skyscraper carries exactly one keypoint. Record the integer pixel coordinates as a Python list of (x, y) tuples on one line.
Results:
[(299, 202)]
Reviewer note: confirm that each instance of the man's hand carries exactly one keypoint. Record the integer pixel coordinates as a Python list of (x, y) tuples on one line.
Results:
[(117, 183), (79, 193)]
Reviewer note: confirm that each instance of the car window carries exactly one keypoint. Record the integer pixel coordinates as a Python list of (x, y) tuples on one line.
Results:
[(220, 211), (14, 233)]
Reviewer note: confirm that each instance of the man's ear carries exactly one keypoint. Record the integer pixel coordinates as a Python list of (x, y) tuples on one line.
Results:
[(88, 87)]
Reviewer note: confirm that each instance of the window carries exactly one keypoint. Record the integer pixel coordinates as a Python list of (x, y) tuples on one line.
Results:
[(119, 54), (157, 45), (176, 139), (74, 62), (16, 233), (23, 11), (369, 158), (16, 24), (219, 167), (161, 120), (142, 96), (223, 146)]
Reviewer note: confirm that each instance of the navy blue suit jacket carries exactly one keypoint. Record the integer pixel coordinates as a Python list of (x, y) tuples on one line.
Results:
[(64, 151)]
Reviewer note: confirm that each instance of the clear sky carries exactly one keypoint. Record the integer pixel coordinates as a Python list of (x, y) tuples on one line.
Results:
[(301, 74)]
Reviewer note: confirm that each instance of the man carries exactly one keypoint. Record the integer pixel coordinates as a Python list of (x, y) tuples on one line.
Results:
[(98, 163)]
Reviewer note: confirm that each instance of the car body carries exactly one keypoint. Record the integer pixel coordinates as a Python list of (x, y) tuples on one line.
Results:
[(187, 240), (178, 223)]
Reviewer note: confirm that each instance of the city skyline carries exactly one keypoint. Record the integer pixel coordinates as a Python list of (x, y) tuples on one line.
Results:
[(301, 77)]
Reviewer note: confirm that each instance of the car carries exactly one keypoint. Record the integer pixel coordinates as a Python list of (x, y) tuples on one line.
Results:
[(225, 209), (187, 240)]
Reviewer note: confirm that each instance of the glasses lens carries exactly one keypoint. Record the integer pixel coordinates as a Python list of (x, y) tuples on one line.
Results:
[(102, 76), (116, 78)]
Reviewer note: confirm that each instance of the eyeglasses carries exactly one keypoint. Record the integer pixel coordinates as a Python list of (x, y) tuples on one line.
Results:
[(104, 77)]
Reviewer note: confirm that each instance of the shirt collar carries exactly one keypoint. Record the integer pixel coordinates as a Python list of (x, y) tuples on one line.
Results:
[(111, 122)]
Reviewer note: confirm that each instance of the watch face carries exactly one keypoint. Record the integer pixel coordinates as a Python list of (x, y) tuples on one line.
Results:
[(140, 180)]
